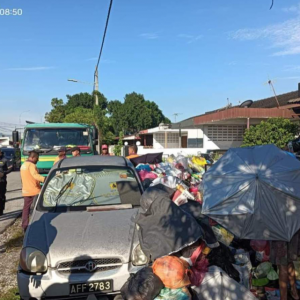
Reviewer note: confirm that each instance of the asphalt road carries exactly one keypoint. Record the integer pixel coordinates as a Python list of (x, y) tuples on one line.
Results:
[(14, 201)]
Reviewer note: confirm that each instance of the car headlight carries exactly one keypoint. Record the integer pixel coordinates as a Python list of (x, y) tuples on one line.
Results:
[(138, 256), (33, 260)]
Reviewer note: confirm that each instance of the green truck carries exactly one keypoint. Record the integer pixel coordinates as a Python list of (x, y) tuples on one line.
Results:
[(47, 138)]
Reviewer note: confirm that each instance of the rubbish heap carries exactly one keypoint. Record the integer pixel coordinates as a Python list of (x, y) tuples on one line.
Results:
[(184, 174), (196, 254)]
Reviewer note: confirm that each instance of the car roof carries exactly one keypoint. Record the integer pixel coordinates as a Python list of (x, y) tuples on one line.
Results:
[(93, 160)]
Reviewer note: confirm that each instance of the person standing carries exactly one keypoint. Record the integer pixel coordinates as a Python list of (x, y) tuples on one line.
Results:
[(4, 170), (61, 154), (105, 150), (283, 254), (132, 151), (31, 186), (76, 151)]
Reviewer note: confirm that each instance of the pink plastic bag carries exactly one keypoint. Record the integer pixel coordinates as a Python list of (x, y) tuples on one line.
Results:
[(198, 271), (145, 174), (258, 245)]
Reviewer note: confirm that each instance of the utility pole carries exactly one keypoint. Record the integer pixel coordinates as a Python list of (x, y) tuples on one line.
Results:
[(96, 88)]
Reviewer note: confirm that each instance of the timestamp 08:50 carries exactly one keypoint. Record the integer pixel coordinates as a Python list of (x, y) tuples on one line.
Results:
[(11, 12)]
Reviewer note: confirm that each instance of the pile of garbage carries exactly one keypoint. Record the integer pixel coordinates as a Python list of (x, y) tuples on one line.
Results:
[(181, 173), (191, 255)]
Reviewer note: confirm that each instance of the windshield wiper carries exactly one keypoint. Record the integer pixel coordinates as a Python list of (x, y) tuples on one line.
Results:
[(46, 150), (61, 192)]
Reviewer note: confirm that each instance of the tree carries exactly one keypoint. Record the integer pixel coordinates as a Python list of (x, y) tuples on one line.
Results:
[(58, 113), (80, 115), (135, 114), (156, 114), (117, 149), (110, 118), (276, 131), (118, 120), (84, 100)]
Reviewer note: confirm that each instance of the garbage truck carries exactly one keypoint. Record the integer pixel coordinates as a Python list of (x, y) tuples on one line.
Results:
[(47, 138)]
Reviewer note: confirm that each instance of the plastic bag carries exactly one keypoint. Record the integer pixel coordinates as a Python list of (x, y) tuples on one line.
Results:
[(177, 294), (142, 285), (223, 235), (144, 167), (172, 271), (258, 245), (183, 161), (223, 258), (169, 181), (200, 161), (147, 175), (263, 270), (272, 275), (179, 198), (198, 271), (244, 272), (260, 282), (297, 269)]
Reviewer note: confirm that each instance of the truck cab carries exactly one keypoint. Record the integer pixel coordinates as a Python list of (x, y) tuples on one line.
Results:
[(47, 138)]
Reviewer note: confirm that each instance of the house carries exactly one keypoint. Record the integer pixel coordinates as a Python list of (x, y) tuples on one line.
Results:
[(224, 128), (220, 129)]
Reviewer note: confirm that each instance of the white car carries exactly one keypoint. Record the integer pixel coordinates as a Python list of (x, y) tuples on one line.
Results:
[(82, 240)]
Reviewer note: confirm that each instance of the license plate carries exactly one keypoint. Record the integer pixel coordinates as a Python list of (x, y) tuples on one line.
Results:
[(104, 286)]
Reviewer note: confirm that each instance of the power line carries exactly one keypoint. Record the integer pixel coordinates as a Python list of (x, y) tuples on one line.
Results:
[(104, 35)]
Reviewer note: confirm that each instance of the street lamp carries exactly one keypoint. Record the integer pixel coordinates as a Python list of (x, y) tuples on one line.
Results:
[(78, 81), (21, 115)]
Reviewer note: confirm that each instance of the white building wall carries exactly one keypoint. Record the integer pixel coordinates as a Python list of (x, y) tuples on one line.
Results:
[(195, 133)]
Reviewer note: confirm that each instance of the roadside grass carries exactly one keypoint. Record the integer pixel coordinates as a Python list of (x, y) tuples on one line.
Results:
[(10, 295), (15, 242), (15, 268)]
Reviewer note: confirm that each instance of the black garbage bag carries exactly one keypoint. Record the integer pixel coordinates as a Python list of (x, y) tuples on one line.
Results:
[(194, 209), (146, 183), (223, 258), (144, 285), (164, 228)]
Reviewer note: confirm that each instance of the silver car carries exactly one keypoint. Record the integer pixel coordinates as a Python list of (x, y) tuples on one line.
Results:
[(82, 242)]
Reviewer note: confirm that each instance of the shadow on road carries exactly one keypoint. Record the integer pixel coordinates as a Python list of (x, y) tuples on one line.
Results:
[(12, 199), (13, 190), (11, 215)]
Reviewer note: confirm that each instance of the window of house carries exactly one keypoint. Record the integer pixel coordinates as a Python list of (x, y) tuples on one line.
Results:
[(195, 143), (226, 133)]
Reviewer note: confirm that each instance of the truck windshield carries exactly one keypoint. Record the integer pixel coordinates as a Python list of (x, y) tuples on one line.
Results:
[(47, 140)]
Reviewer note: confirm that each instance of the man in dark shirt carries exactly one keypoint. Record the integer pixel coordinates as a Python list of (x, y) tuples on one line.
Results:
[(3, 181)]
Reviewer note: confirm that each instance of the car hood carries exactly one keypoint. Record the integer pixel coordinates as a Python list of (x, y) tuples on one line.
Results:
[(75, 235)]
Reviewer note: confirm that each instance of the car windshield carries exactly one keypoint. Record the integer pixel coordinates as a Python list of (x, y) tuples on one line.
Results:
[(53, 139), (91, 186)]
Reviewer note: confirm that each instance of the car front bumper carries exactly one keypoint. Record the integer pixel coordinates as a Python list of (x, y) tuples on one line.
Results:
[(54, 285)]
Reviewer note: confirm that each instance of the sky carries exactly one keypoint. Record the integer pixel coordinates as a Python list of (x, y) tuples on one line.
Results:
[(188, 56)]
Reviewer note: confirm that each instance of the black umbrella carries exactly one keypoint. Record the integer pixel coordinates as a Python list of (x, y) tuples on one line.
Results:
[(150, 158)]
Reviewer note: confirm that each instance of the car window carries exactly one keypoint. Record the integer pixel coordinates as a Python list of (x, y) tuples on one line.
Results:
[(91, 186), (8, 153)]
